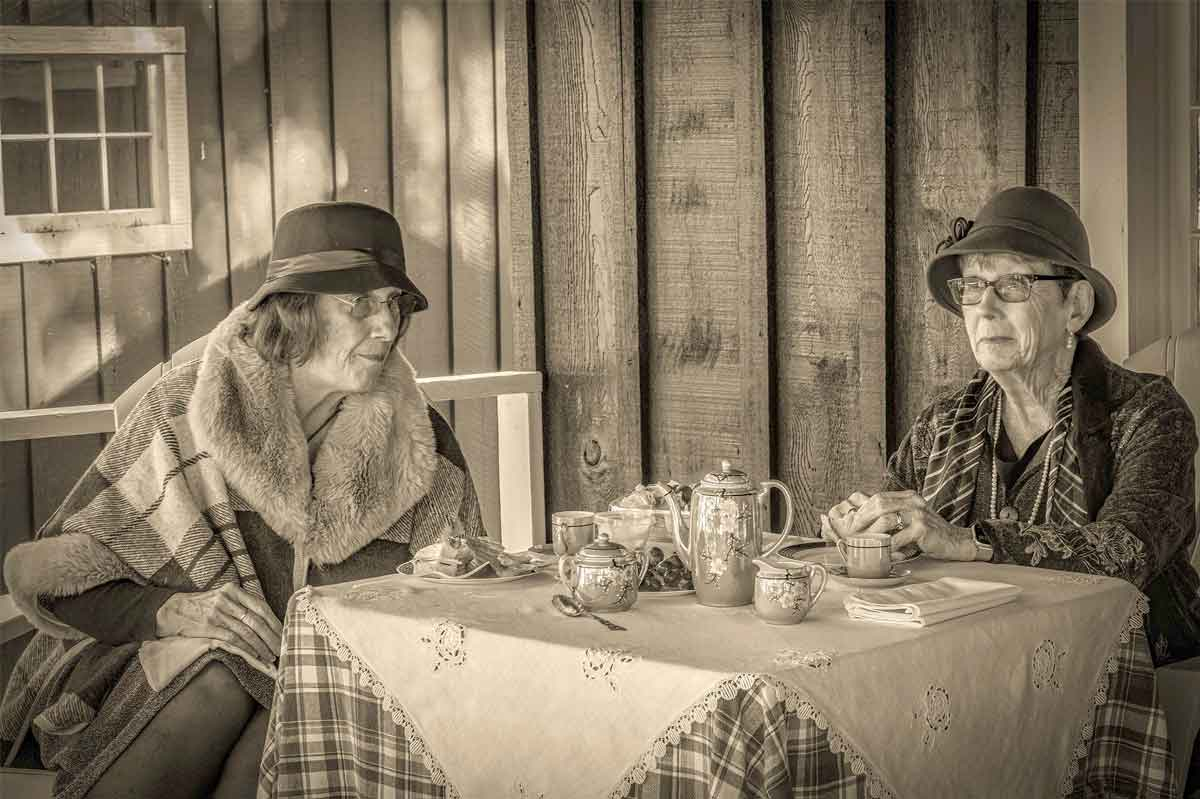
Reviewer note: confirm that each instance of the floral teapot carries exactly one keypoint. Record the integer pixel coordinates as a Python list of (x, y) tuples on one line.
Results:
[(726, 534)]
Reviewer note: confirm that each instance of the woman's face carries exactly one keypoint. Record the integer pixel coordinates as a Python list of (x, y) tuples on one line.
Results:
[(352, 352), (1007, 336)]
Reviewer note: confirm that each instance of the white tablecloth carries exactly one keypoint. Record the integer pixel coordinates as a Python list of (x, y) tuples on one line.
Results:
[(469, 666)]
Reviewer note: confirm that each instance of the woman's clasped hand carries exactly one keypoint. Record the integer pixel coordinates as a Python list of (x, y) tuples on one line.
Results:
[(229, 613), (905, 516)]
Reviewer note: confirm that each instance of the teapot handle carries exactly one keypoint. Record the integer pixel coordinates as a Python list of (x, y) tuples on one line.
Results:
[(767, 485), (566, 570), (677, 529)]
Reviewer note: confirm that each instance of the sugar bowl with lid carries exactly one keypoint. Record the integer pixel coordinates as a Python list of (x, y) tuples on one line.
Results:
[(604, 575), (785, 594)]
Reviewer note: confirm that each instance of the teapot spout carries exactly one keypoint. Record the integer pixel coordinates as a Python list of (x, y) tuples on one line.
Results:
[(677, 528)]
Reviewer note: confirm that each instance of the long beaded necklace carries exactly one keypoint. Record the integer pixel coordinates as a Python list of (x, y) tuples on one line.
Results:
[(1043, 484)]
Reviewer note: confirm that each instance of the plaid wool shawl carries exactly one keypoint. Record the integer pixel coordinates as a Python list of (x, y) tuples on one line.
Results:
[(212, 440)]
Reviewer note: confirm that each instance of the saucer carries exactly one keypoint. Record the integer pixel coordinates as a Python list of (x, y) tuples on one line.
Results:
[(897, 576)]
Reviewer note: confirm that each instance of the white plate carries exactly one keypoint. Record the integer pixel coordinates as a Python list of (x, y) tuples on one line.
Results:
[(680, 592), (838, 574), (464, 579)]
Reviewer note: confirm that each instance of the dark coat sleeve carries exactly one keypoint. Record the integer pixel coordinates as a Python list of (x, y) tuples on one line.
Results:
[(1149, 514), (116, 612)]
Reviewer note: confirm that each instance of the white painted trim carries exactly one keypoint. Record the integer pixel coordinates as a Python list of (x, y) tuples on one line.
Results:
[(87, 40), (17, 246), (522, 480), (71, 420), (1103, 156), (479, 386)]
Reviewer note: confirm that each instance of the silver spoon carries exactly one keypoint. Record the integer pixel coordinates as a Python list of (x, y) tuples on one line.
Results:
[(569, 607)]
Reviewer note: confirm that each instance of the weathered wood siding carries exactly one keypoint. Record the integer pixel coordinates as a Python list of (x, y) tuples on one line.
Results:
[(705, 220), (386, 102)]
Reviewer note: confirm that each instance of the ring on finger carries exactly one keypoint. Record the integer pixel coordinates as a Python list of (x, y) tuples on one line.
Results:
[(899, 523), (243, 617)]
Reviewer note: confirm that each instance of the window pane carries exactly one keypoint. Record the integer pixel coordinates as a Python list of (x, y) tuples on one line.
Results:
[(129, 173), (125, 95), (22, 96), (77, 163), (26, 177), (74, 83)]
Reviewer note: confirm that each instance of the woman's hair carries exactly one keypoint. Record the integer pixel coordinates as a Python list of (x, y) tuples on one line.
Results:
[(284, 328)]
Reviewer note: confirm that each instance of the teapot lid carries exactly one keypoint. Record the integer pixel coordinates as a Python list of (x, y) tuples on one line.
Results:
[(602, 551), (728, 480)]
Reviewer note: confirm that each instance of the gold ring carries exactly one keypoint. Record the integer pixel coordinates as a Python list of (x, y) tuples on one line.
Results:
[(899, 523), (242, 618)]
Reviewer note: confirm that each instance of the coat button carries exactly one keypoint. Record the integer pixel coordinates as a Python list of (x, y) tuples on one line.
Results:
[(1009, 514)]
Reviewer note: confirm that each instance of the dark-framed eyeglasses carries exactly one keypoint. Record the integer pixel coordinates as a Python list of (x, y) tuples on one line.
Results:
[(1009, 288), (401, 305)]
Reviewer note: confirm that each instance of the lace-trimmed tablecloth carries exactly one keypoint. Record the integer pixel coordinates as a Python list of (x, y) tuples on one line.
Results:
[(496, 694)]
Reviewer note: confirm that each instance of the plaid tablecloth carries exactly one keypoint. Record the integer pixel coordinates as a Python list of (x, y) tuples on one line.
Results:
[(331, 735)]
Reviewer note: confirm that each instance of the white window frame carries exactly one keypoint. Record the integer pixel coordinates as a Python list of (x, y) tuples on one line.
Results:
[(88, 234)]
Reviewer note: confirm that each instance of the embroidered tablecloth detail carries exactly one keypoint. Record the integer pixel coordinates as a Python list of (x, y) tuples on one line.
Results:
[(1047, 661), (602, 664), (449, 643), (678, 662), (935, 713)]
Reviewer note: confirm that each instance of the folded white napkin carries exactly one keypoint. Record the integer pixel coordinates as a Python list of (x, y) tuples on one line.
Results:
[(923, 604)]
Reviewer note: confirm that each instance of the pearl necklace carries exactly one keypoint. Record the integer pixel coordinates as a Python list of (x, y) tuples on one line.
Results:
[(1043, 484)]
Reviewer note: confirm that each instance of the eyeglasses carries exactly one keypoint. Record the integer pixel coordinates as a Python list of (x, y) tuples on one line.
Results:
[(1009, 288), (401, 305)]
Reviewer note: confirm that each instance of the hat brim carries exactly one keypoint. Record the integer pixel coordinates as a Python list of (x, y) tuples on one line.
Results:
[(358, 280), (998, 238)]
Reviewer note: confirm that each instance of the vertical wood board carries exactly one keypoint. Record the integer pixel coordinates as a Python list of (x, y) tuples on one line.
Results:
[(471, 122), (1057, 101), (198, 280), (952, 101), (587, 156), (358, 36), (16, 500), (298, 48), (519, 280), (420, 192), (706, 270), (246, 126), (827, 78), (60, 335)]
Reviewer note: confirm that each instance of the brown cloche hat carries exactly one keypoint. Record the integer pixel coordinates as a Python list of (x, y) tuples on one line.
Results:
[(337, 248), (1027, 221)]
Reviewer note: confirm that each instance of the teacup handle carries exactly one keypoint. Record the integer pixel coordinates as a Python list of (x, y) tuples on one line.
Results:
[(817, 567), (841, 548), (566, 570)]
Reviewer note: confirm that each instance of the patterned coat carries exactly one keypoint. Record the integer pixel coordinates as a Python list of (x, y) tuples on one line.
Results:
[(209, 482), (1121, 501)]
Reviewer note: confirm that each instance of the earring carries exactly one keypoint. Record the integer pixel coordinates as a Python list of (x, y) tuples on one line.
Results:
[(1070, 341)]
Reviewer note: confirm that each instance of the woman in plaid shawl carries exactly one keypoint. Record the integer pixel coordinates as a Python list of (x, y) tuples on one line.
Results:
[(298, 449), (1052, 455)]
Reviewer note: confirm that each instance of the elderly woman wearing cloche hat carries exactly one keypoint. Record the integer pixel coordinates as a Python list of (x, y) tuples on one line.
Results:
[(297, 450), (1051, 455)]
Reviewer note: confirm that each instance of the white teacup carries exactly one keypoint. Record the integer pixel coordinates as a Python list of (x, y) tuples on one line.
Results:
[(867, 554)]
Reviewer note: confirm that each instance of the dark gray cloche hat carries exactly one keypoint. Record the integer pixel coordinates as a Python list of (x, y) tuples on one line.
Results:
[(1027, 221)]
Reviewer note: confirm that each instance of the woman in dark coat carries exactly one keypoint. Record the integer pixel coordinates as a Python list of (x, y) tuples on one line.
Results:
[(1051, 455), (298, 449)]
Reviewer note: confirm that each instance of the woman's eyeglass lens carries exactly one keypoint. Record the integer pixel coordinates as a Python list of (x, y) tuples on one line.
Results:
[(401, 305), (1009, 288)]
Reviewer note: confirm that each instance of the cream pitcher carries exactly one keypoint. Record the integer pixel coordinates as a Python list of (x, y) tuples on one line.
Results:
[(726, 534)]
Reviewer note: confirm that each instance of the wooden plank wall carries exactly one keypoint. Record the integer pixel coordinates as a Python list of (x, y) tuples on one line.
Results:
[(705, 220), (793, 165), (388, 102)]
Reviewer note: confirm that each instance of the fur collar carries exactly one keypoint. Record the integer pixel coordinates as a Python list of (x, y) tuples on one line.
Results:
[(378, 457)]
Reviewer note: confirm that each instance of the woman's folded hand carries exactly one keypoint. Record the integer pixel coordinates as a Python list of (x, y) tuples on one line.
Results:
[(905, 516), (230, 614)]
